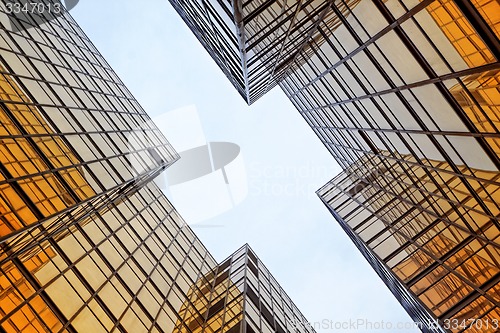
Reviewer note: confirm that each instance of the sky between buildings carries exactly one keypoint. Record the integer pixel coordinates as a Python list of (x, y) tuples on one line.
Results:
[(166, 68)]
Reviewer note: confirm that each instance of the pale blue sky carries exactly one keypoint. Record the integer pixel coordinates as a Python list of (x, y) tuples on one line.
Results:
[(165, 68)]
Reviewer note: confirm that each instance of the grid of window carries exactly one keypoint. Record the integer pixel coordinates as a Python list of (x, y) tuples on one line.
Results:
[(213, 24), (240, 295), (71, 135), (256, 43), (419, 239), (125, 270)]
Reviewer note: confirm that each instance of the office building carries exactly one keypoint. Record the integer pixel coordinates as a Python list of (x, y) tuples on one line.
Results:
[(240, 295), (405, 96), (88, 242)]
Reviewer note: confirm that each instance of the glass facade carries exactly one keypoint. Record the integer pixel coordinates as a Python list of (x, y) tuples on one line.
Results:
[(125, 269), (72, 135), (88, 242), (440, 251), (257, 43), (405, 95), (240, 295)]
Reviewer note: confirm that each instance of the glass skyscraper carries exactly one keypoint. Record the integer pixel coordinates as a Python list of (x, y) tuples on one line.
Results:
[(88, 242), (405, 95), (240, 295)]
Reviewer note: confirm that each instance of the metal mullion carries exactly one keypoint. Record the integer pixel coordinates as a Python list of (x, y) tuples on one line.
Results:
[(403, 100), (217, 40), (300, 25), (38, 291), (294, 78), (48, 119), (25, 198), (260, 65), (476, 263), (40, 154), (450, 162), (228, 47), (434, 195), (456, 248), (64, 134), (299, 108), (354, 212), (474, 69), (287, 36), (119, 85), (354, 154), (453, 203), (471, 297), (228, 67), (414, 306), (370, 41), (412, 240), (226, 8), (65, 84), (69, 69), (376, 104), (64, 214), (480, 26), (460, 175), (478, 105), (490, 311), (193, 25), (435, 223), (408, 131), (328, 88), (225, 298), (148, 278), (395, 230), (344, 161), (60, 51), (227, 33), (444, 91), (212, 290), (320, 93), (260, 86), (454, 75), (97, 245), (437, 261), (257, 11), (90, 114), (438, 219), (10, 180), (240, 36), (35, 313), (393, 225), (283, 17), (287, 18), (199, 276), (112, 235), (362, 225), (262, 53), (43, 105), (437, 216), (441, 87), (260, 78)]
